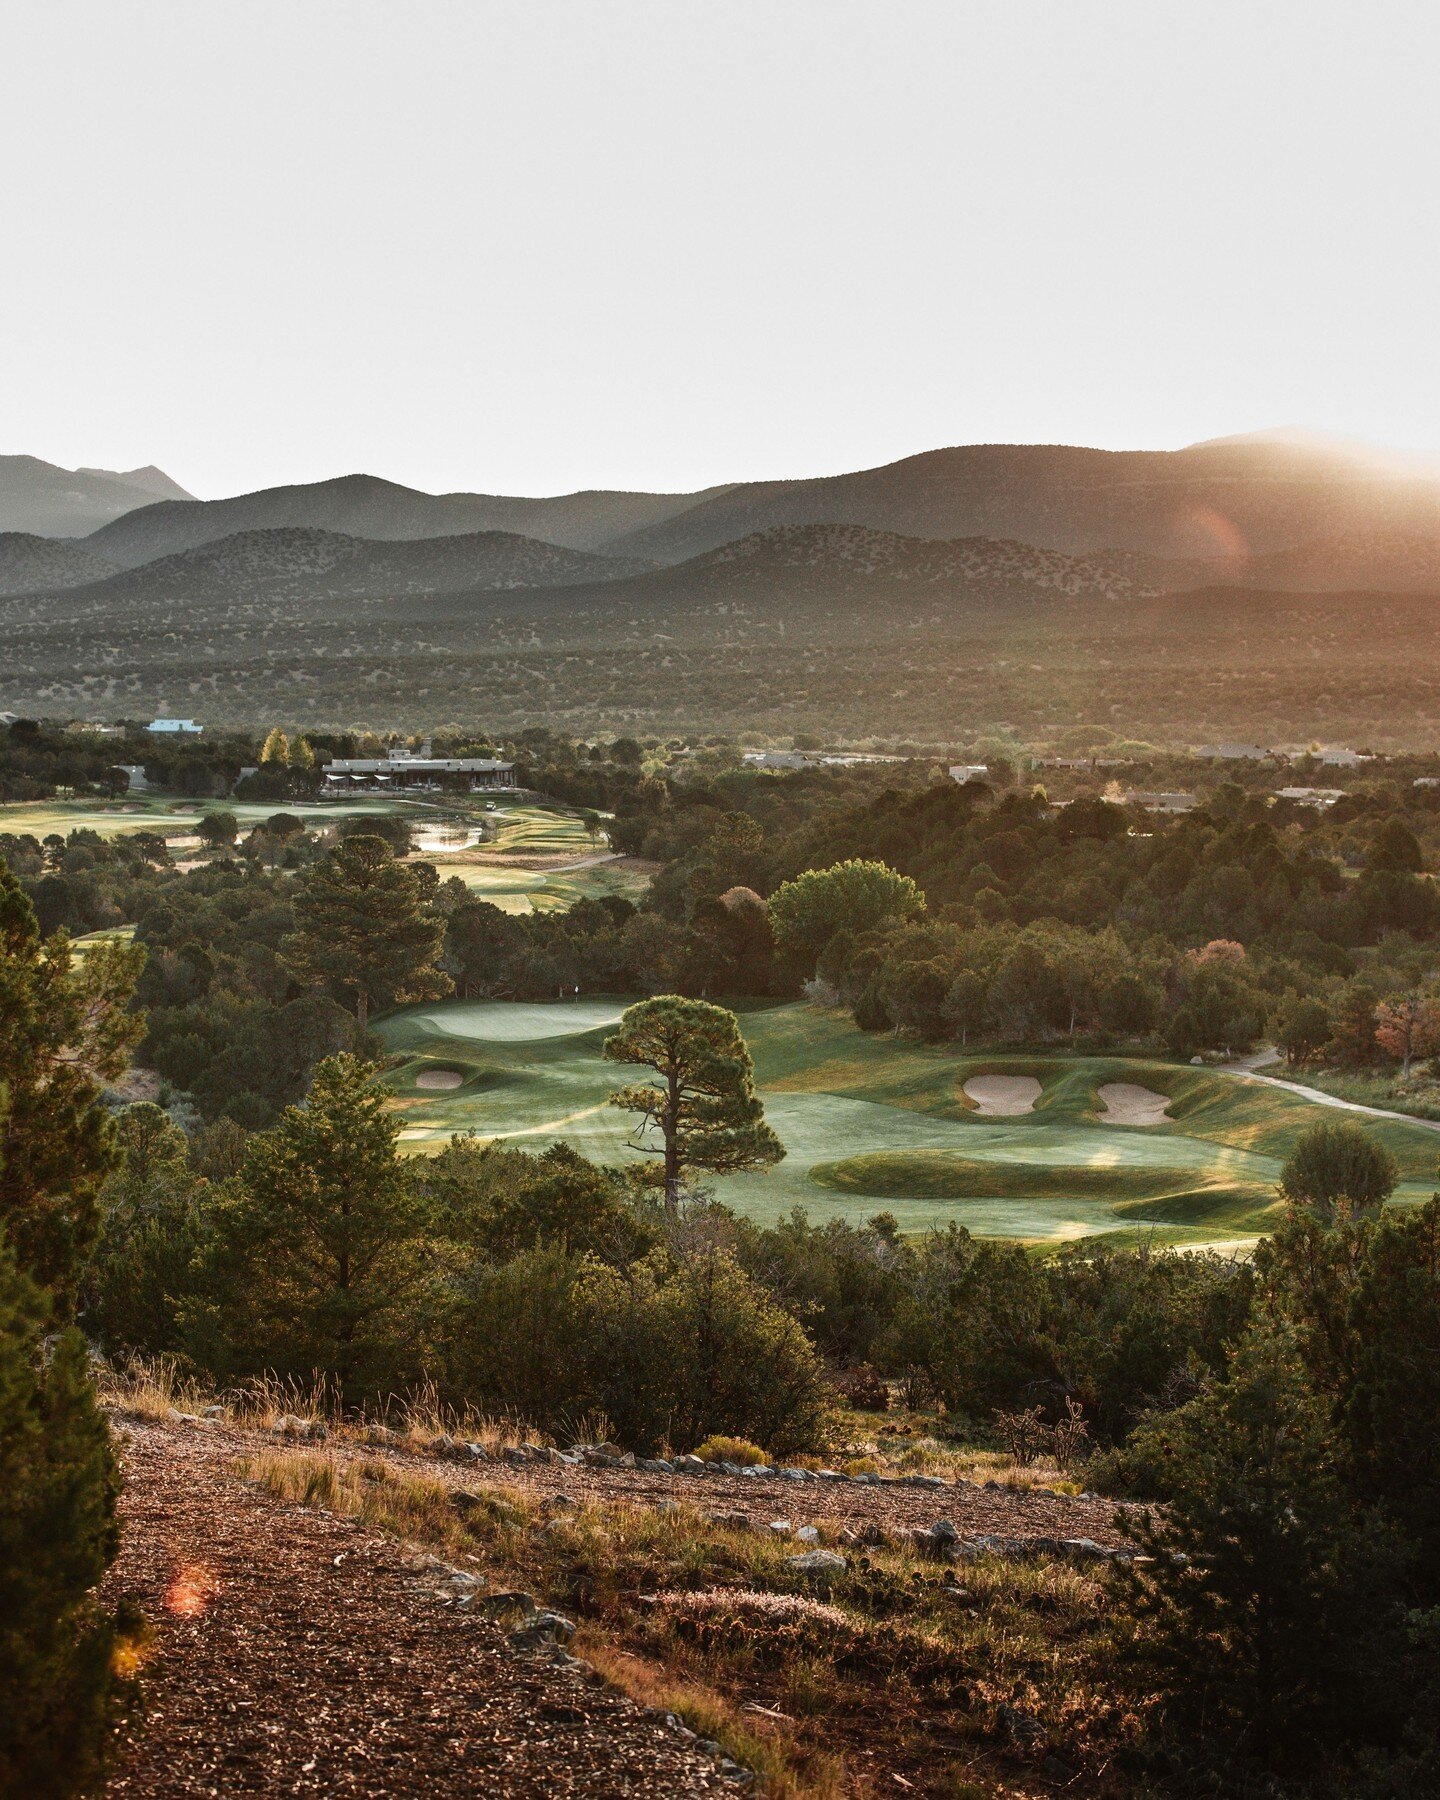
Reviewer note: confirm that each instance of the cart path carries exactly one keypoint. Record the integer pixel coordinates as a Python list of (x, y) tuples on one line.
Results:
[(1248, 1069), (300, 1653)]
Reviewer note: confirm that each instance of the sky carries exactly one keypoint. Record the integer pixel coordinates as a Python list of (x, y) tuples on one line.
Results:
[(534, 247)]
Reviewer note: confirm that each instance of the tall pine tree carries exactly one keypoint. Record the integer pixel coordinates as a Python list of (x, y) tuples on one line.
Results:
[(703, 1103), (362, 927), (317, 1260)]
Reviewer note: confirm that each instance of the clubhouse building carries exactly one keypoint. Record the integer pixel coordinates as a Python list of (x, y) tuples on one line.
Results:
[(415, 774)]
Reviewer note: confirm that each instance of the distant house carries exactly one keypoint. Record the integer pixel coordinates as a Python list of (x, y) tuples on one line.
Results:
[(1308, 796), (813, 759), (1233, 752), (1340, 758), (963, 772), (386, 774), (174, 727), (1161, 803)]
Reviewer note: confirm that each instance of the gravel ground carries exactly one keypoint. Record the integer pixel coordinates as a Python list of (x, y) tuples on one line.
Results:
[(298, 1653)]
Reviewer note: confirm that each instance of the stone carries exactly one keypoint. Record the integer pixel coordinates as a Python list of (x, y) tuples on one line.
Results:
[(689, 1465), (477, 1453), (807, 1534), (544, 1628), (781, 1527), (944, 1532), (215, 1412), (817, 1562), (509, 1600)]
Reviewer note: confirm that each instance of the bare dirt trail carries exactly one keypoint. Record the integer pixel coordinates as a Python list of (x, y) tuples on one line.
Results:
[(1248, 1068), (298, 1653)]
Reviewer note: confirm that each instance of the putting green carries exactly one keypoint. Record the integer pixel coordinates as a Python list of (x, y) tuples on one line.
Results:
[(514, 1021), (874, 1123)]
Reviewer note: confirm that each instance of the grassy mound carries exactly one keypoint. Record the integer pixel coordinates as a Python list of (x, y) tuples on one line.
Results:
[(944, 1175)]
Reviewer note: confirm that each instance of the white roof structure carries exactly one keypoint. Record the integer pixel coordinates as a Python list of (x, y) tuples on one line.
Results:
[(174, 725)]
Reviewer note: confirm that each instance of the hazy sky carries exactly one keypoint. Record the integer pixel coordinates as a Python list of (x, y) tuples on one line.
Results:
[(538, 246)]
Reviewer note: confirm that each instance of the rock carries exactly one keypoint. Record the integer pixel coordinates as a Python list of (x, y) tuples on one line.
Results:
[(625, 1461), (509, 1600), (733, 1521), (654, 1465), (807, 1534), (781, 1527), (215, 1412), (443, 1445), (477, 1453), (667, 1506), (817, 1562), (944, 1532), (544, 1628), (794, 1474), (689, 1465), (867, 1479)]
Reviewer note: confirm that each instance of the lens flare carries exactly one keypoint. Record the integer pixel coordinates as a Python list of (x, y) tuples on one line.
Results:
[(191, 1590)]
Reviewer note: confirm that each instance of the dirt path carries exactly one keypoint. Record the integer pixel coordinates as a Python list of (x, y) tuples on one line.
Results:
[(299, 1653)]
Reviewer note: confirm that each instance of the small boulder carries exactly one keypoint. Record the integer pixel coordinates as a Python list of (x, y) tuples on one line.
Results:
[(817, 1562)]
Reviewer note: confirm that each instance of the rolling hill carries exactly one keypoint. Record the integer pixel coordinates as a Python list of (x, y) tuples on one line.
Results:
[(39, 497), (31, 564), (364, 506), (1237, 499), (298, 561)]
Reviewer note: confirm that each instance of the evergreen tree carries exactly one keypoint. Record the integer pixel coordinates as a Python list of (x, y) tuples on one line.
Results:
[(363, 929), (63, 1027), (704, 1104), (316, 1265), (1266, 1593), (153, 1210), (1338, 1162), (58, 1535)]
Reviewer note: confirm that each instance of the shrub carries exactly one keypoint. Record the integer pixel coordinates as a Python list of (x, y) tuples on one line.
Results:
[(731, 1450)]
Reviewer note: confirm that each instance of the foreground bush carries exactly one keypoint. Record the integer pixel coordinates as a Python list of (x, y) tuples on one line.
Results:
[(57, 1536)]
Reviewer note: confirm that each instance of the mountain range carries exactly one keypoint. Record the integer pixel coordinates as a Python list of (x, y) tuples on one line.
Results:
[(38, 497), (1210, 589)]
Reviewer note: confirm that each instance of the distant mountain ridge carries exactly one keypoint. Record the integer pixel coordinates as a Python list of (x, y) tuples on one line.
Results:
[(296, 561), (47, 501), (364, 506)]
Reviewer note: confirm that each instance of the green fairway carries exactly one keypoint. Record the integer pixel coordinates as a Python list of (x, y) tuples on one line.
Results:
[(528, 832), (172, 816), (876, 1123)]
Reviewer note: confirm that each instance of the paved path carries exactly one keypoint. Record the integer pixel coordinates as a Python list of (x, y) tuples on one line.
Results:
[(1248, 1067)]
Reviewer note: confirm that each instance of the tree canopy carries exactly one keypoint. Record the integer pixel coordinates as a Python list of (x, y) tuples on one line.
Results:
[(362, 927), (704, 1104)]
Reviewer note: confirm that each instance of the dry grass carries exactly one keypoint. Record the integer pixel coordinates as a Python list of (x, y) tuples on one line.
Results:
[(898, 1656)]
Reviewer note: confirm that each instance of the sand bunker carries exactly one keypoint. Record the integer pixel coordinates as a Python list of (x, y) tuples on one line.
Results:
[(438, 1078), (1126, 1103), (1003, 1096)]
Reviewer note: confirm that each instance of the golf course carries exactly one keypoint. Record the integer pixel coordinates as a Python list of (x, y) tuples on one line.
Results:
[(1042, 1149), (534, 857)]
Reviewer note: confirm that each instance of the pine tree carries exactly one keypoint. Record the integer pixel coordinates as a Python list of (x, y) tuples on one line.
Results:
[(1265, 1587), (704, 1105), (63, 1027), (58, 1535), (317, 1263), (363, 929)]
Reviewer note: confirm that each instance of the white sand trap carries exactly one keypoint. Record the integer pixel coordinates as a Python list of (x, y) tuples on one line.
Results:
[(1003, 1096), (1127, 1103), (439, 1078)]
